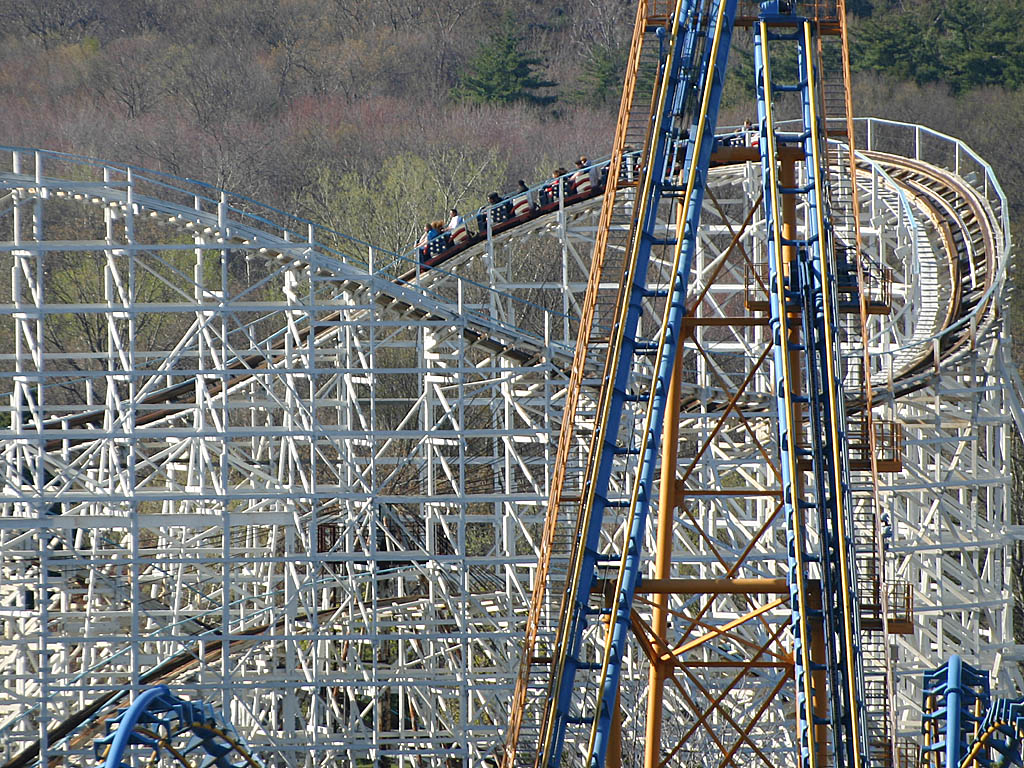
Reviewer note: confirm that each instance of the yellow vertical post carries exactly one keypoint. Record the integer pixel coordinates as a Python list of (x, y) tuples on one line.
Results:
[(667, 502), (787, 179)]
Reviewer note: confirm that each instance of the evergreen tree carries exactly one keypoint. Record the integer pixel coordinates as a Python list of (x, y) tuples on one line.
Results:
[(899, 44), (964, 43), (602, 75), (503, 72)]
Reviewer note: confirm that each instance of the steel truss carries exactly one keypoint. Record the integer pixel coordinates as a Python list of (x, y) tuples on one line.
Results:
[(334, 542)]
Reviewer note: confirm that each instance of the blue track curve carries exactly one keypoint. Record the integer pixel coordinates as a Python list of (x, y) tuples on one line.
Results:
[(963, 725), (161, 721)]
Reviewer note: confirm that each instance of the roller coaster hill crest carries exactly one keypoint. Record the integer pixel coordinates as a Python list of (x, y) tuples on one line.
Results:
[(296, 499)]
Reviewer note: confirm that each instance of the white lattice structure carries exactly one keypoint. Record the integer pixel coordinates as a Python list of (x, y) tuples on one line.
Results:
[(245, 460), (952, 510)]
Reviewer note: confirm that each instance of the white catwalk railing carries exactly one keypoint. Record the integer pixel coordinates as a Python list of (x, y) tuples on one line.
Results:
[(236, 222), (948, 152)]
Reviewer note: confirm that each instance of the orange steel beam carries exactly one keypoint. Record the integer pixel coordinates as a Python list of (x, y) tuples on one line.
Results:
[(660, 669), (613, 757), (725, 716), (665, 586), (734, 155), (739, 414), (734, 243), (728, 409), (744, 668), (652, 646), (720, 631), (639, 626), (746, 492), (724, 321), (826, 26), (757, 716)]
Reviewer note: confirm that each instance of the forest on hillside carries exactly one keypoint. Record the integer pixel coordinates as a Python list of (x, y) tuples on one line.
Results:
[(371, 116)]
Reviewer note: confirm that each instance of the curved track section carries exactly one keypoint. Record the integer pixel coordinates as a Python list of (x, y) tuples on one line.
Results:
[(167, 726), (957, 219), (318, 492), (952, 404), (954, 273)]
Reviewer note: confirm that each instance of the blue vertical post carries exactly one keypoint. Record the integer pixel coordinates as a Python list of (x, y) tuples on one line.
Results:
[(695, 167), (954, 681)]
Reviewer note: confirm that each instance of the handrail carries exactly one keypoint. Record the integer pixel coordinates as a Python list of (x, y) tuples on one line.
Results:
[(155, 203), (991, 188), (173, 183), (488, 212)]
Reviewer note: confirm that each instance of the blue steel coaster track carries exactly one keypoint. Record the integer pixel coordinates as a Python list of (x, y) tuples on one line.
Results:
[(805, 333), (162, 723), (582, 693)]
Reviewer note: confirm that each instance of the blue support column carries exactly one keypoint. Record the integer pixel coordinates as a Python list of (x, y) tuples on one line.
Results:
[(809, 399), (957, 704), (693, 65)]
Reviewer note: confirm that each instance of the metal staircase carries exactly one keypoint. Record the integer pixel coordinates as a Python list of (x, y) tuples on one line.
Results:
[(586, 653), (579, 421), (867, 284)]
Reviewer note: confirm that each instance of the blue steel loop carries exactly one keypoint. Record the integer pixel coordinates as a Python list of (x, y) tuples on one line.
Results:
[(167, 717)]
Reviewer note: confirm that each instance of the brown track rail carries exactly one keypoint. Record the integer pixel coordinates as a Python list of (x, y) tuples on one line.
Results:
[(972, 245)]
